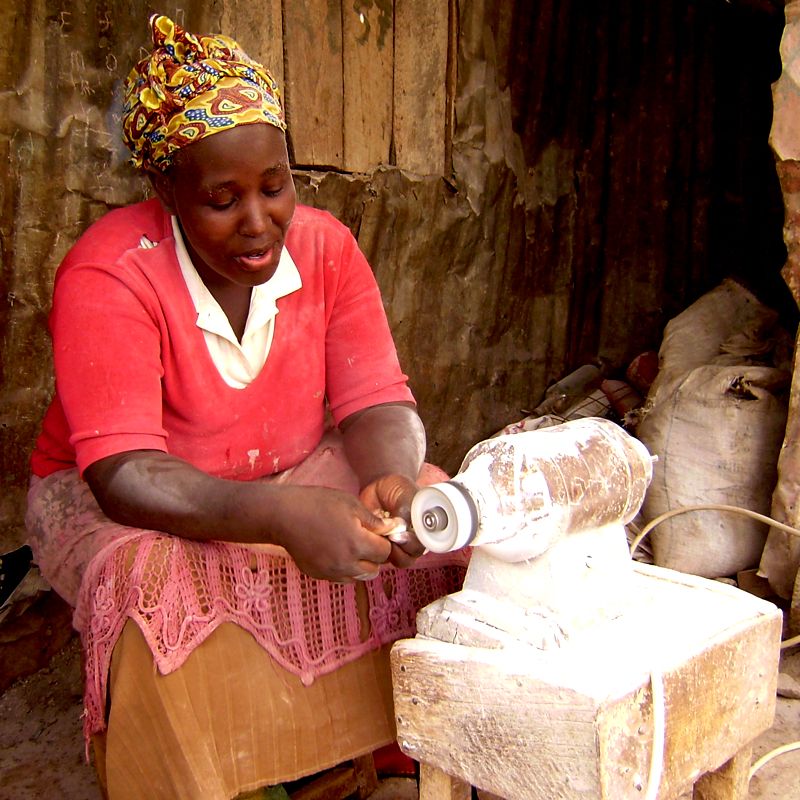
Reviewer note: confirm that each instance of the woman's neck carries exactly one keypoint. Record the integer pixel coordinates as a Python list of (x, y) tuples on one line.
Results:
[(234, 300)]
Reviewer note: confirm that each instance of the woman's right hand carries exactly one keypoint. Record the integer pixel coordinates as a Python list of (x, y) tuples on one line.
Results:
[(331, 534)]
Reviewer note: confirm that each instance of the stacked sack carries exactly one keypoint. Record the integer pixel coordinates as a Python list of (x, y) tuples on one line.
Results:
[(715, 417)]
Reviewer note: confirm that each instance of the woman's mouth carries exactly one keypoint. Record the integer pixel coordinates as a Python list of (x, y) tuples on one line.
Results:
[(257, 259)]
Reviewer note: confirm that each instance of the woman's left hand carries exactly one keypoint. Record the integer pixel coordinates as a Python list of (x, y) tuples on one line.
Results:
[(393, 494)]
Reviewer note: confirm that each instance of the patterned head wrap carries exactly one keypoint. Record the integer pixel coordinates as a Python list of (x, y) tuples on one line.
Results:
[(190, 87)]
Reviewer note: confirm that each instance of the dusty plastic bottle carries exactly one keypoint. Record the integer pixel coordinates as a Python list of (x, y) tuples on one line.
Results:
[(572, 387), (516, 495)]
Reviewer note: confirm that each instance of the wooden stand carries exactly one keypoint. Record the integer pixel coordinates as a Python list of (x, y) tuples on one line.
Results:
[(579, 721), (356, 778)]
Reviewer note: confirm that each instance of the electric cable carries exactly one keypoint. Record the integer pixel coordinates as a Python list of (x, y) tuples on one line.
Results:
[(710, 507), (778, 751), (790, 642), (659, 735)]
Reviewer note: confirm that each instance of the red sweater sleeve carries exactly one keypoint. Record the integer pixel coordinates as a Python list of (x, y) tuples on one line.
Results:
[(107, 364)]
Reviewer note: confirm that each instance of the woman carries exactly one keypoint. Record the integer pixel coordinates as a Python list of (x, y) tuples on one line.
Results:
[(230, 431)]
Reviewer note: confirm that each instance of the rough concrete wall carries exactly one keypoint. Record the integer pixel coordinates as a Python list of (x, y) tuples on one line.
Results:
[(576, 218)]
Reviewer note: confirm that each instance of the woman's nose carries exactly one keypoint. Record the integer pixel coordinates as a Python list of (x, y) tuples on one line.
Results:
[(255, 219)]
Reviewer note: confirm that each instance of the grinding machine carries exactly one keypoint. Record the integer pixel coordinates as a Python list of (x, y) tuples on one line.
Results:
[(563, 668)]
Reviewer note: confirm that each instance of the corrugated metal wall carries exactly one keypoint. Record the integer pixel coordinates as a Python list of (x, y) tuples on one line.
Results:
[(657, 116), (570, 175)]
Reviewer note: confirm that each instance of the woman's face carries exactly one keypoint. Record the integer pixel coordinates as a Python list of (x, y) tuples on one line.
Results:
[(234, 197)]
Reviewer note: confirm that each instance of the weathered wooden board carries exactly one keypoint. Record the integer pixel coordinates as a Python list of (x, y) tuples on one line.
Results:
[(482, 719), (258, 27), (729, 782), (437, 785), (580, 720), (368, 61), (314, 82), (420, 85)]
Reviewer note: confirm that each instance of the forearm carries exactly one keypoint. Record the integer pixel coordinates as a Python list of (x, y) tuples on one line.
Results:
[(329, 533), (384, 440), (153, 490)]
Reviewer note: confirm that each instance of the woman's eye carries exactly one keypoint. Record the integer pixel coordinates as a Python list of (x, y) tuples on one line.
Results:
[(221, 205)]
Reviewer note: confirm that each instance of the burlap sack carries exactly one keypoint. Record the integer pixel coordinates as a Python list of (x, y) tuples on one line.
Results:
[(715, 416), (729, 316), (717, 438)]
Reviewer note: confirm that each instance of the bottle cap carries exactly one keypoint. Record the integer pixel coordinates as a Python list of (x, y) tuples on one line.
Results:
[(444, 517)]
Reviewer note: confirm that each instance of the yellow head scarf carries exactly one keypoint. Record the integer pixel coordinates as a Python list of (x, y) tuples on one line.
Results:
[(190, 87)]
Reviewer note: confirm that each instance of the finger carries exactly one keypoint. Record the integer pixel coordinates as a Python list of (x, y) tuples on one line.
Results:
[(392, 493), (396, 493), (412, 545), (373, 549), (398, 533), (380, 523), (402, 507), (400, 558), (367, 571), (369, 497)]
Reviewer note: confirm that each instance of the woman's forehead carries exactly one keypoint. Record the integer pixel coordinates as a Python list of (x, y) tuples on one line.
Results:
[(259, 148)]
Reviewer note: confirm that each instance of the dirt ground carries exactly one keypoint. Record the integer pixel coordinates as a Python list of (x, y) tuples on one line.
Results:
[(41, 747)]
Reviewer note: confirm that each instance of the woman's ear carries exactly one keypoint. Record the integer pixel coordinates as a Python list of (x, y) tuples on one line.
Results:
[(163, 186)]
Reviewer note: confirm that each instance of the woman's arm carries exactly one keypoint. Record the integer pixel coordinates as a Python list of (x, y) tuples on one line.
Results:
[(387, 439), (385, 445), (329, 533)]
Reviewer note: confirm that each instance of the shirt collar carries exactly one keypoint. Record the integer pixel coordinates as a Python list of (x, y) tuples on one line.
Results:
[(263, 308)]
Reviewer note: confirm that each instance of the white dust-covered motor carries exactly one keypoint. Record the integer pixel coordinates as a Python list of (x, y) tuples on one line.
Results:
[(516, 495), (545, 513)]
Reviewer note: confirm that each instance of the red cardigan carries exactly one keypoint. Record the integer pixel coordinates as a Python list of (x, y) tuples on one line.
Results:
[(133, 371)]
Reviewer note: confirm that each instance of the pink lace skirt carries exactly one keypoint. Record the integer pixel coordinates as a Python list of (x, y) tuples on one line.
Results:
[(179, 591)]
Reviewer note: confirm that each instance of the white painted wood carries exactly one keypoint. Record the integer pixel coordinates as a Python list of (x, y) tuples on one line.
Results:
[(576, 721)]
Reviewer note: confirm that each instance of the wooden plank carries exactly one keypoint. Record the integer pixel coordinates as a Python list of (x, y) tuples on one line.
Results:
[(729, 782), (259, 30), (314, 76), (434, 784), (451, 86), (335, 784), (368, 61), (721, 697), (420, 80), (357, 778), (365, 775), (486, 715), (480, 716)]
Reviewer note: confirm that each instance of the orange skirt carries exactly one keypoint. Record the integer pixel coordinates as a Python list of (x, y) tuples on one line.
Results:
[(231, 720)]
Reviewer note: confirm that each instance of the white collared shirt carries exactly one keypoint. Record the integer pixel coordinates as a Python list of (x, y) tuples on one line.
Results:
[(238, 362)]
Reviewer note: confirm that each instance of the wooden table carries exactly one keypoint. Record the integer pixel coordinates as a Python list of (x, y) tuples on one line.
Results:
[(583, 721)]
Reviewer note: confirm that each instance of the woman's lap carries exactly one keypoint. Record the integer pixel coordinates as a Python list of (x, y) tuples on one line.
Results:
[(231, 719), (123, 583)]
